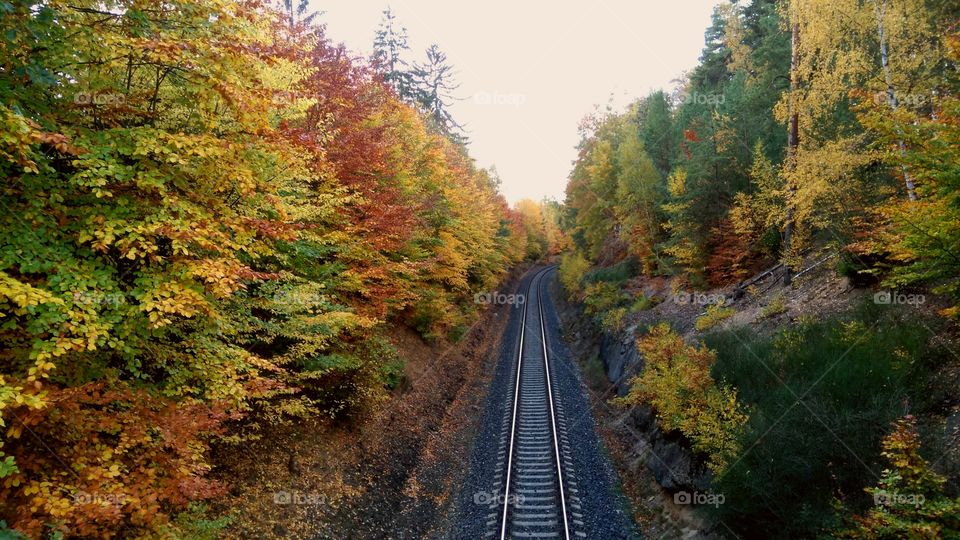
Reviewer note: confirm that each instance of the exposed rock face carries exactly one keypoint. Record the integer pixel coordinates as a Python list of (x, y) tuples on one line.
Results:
[(667, 455), (620, 359)]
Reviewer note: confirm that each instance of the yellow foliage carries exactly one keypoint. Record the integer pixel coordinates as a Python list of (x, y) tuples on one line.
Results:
[(676, 381), (573, 266), (715, 314)]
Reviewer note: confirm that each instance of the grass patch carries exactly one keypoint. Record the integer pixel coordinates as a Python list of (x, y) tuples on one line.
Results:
[(642, 303), (777, 305), (714, 315)]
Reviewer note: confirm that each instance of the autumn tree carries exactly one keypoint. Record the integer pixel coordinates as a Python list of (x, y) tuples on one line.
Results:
[(212, 215)]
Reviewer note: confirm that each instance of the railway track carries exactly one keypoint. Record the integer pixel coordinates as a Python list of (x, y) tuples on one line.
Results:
[(538, 492)]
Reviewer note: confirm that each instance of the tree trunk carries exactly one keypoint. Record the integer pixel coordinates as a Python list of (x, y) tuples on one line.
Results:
[(891, 93), (793, 141)]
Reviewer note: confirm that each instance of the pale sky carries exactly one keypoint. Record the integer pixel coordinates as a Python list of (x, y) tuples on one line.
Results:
[(530, 70)]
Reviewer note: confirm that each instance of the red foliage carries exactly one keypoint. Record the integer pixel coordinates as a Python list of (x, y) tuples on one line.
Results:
[(348, 98), (730, 259), (103, 456)]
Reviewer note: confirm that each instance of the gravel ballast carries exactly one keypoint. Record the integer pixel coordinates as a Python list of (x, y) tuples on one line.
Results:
[(604, 509)]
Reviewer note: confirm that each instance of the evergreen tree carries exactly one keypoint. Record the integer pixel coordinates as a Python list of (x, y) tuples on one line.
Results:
[(658, 132), (389, 47), (298, 13), (434, 84)]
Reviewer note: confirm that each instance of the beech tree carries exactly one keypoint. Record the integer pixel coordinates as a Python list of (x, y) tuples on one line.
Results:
[(211, 216)]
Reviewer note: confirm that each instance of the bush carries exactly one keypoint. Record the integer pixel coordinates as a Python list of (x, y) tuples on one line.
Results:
[(573, 266), (777, 305), (854, 377), (909, 501), (612, 319), (135, 458), (642, 303), (617, 273), (714, 315), (676, 381), (599, 298)]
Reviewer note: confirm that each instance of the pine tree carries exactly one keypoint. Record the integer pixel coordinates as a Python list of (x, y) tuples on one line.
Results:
[(433, 82), (298, 13), (389, 46)]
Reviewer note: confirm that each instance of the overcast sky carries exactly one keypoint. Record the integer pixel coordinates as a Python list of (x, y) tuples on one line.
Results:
[(530, 70)]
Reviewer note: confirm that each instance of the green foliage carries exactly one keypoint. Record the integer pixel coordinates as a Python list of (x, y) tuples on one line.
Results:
[(758, 215), (638, 193), (616, 273), (9, 534), (194, 524), (612, 320), (616, 186), (922, 236), (8, 466), (776, 306), (685, 237), (909, 500), (210, 213), (676, 382), (839, 383), (603, 296), (642, 303)]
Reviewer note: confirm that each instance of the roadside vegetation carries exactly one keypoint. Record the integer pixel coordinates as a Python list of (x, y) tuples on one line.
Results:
[(211, 216), (813, 138)]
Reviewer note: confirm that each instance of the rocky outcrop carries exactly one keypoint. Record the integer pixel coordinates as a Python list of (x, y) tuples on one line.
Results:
[(668, 456), (621, 360)]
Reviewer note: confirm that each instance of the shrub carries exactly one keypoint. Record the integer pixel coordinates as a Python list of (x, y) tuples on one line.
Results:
[(714, 315), (909, 500), (642, 303), (617, 273), (854, 376), (676, 381), (601, 297), (777, 305), (193, 524), (612, 319), (135, 460), (573, 266)]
